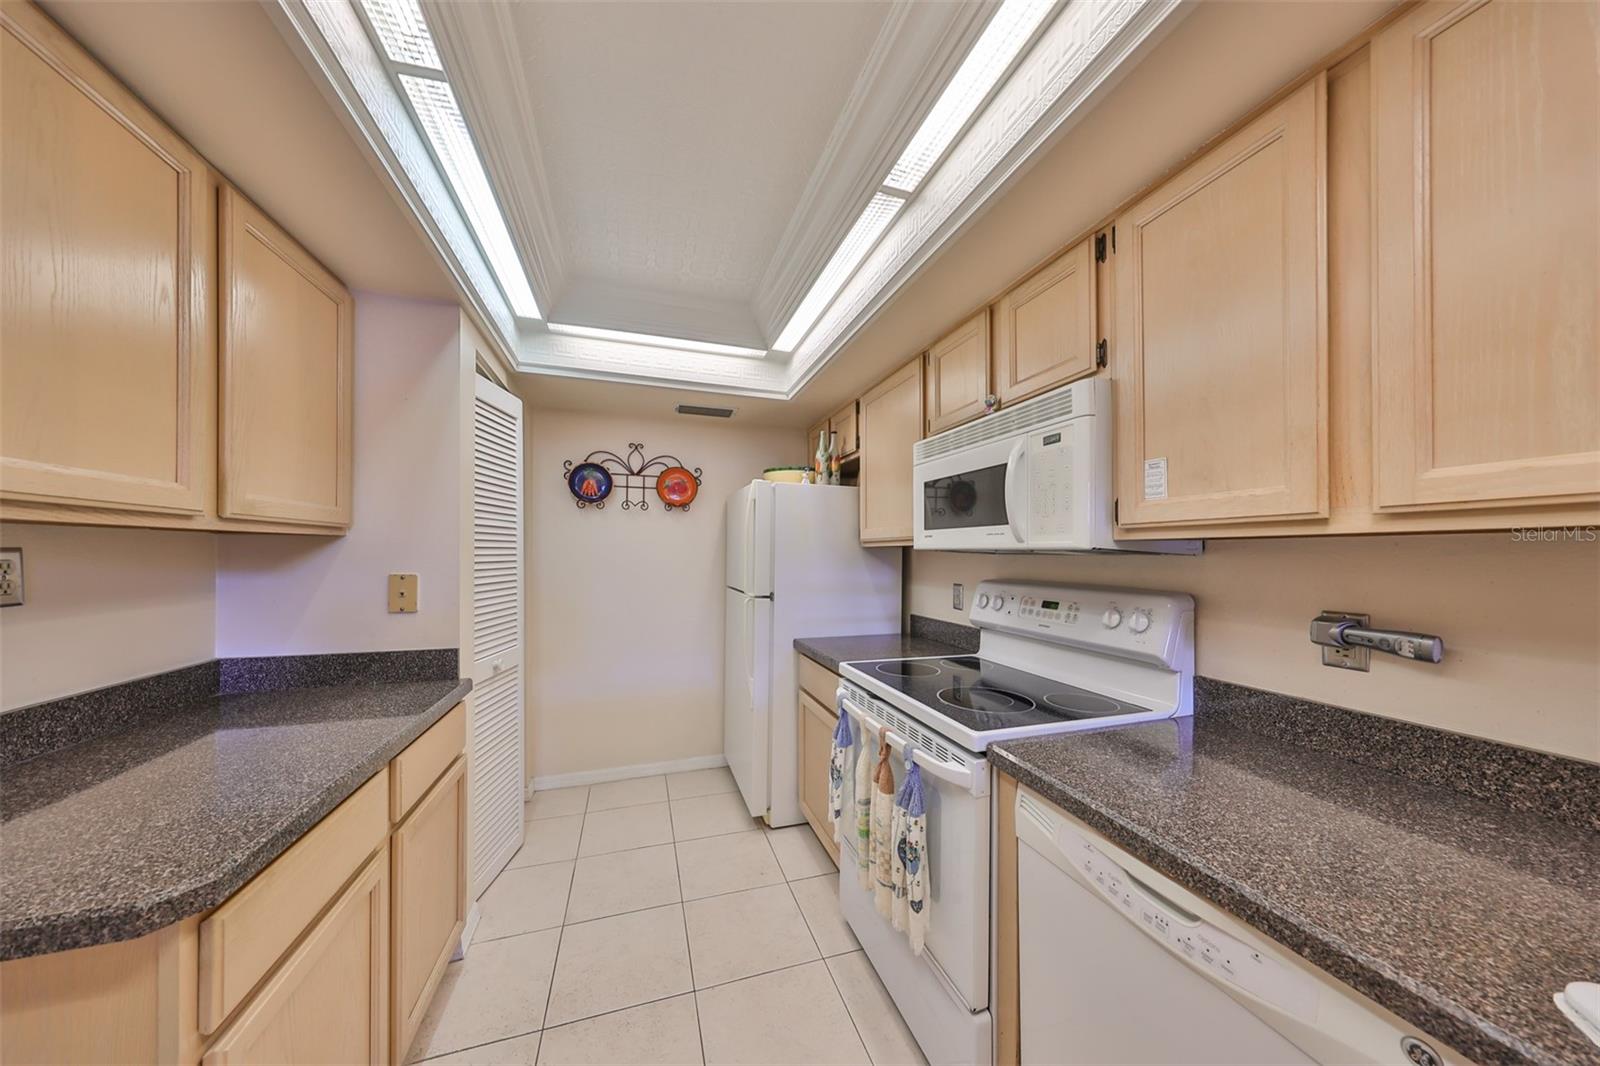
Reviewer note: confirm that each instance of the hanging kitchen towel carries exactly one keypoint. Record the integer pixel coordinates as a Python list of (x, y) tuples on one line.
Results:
[(911, 851), (864, 815), (838, 767), (897, 833), (882, 823)]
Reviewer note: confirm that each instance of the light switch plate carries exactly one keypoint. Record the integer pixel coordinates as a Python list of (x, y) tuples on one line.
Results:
[(10, 577), (402, 593), (955, 596)]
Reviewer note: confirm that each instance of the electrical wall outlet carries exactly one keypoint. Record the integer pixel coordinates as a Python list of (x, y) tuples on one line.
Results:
[(10, 577), (402, 593), (955, 596)]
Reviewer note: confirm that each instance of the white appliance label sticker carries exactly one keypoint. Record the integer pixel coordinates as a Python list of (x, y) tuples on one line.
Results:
[(1155, 478)]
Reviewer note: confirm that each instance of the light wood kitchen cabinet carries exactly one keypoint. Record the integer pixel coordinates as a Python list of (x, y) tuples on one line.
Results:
[(957, 374), (845, 423), (246, 936), (330, 1001), (287, 404), (106, 344), (1045, 328), (1486, 366), (331, 953), (817, 724), (1222, 330), (891, 424), (429, 854)]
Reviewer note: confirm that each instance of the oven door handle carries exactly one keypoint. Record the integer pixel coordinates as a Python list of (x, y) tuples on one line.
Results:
[(974, 780), (1014, 467)]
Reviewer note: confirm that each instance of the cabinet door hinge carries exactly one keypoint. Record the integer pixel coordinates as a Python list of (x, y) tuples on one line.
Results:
[(1101, 353), (1099, 247)]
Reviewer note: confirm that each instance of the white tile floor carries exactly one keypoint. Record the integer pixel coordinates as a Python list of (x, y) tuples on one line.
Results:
[(653, 921)]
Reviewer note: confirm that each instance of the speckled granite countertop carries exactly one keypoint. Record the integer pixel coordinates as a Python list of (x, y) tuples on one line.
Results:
[(927, 637), (136, 829), (1459, 915)]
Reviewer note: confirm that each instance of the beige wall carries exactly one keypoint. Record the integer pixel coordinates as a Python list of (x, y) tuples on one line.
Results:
[(290, 595), (103, 606), (1520, 621), (625, 608)]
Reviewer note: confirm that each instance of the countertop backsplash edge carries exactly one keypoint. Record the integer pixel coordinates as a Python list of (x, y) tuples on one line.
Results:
[(52, 725)]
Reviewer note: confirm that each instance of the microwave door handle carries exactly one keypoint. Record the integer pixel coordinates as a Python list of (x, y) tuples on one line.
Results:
[(1014, 464)]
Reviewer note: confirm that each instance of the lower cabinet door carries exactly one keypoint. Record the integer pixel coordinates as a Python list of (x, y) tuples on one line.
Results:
[(429, 864), (329, 1002), (817, 724)]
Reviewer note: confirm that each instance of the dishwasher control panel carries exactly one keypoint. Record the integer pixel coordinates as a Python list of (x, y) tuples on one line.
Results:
[(1225, 958)]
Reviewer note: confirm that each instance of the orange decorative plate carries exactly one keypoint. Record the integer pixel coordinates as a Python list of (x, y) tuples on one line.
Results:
[(677, 487)]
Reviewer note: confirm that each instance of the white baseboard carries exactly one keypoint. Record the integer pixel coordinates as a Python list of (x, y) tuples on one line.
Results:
[(623, 773)]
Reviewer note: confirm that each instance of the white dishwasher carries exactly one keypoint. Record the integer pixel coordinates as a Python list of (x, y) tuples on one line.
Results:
[(1121, 965)]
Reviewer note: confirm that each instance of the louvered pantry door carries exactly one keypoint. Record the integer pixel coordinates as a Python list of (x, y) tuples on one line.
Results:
[(494, 792)]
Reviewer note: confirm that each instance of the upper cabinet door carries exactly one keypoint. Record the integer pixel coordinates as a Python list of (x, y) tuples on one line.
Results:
[(1486, 375), (286, 376), (958, 374), (105, 339), (891, 425), (1044, 329), (1222, 333), (845, 423)]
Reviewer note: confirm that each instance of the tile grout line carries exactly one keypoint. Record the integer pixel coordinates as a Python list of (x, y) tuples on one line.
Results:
[(848, 1013), (688, 951), (561, 935)]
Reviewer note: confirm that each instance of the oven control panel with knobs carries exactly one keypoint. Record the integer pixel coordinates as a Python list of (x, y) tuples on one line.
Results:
[(1153, 627)]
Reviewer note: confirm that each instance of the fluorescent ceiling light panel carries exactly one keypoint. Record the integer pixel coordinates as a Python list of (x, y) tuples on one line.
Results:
[(675, 343), (857, 243), (403, 32), (998, 46), (436, 108)]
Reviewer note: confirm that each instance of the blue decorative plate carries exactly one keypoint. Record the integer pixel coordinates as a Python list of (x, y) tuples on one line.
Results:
[(589, 482)]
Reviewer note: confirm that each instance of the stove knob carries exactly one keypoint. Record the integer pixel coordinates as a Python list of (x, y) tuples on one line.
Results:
[(1140, 621), (1112, 618), (983, 600)]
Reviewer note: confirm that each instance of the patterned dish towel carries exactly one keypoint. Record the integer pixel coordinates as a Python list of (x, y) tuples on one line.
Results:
[(912, 908), (838, 768), (882, 826), (864, 815)]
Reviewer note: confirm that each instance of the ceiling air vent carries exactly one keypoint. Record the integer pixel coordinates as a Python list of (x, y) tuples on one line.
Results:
[(704, 412)]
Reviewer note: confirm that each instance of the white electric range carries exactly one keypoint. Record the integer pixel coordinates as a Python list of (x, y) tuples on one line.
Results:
[(1051, 659)]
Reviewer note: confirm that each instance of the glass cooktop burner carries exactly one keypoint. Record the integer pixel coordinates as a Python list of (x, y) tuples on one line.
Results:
[(984, 696), (988, 700), (1085, 703), (906, 668)]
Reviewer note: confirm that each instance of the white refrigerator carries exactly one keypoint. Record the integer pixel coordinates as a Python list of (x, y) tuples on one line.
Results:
[(796, 568)]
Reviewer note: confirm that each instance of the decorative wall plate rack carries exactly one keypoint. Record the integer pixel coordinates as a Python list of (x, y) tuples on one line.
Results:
[(600, 473)]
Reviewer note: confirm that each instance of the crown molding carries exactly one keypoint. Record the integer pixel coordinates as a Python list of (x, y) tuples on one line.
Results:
[(914, 55), (330, 42), (564, 355), (476, 44), (1077, 55)]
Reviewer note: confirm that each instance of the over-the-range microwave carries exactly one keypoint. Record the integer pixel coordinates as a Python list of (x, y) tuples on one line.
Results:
[(1034, 477)]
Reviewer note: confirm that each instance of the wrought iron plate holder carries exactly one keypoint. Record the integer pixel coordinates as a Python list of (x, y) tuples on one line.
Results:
[(632, 476)]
